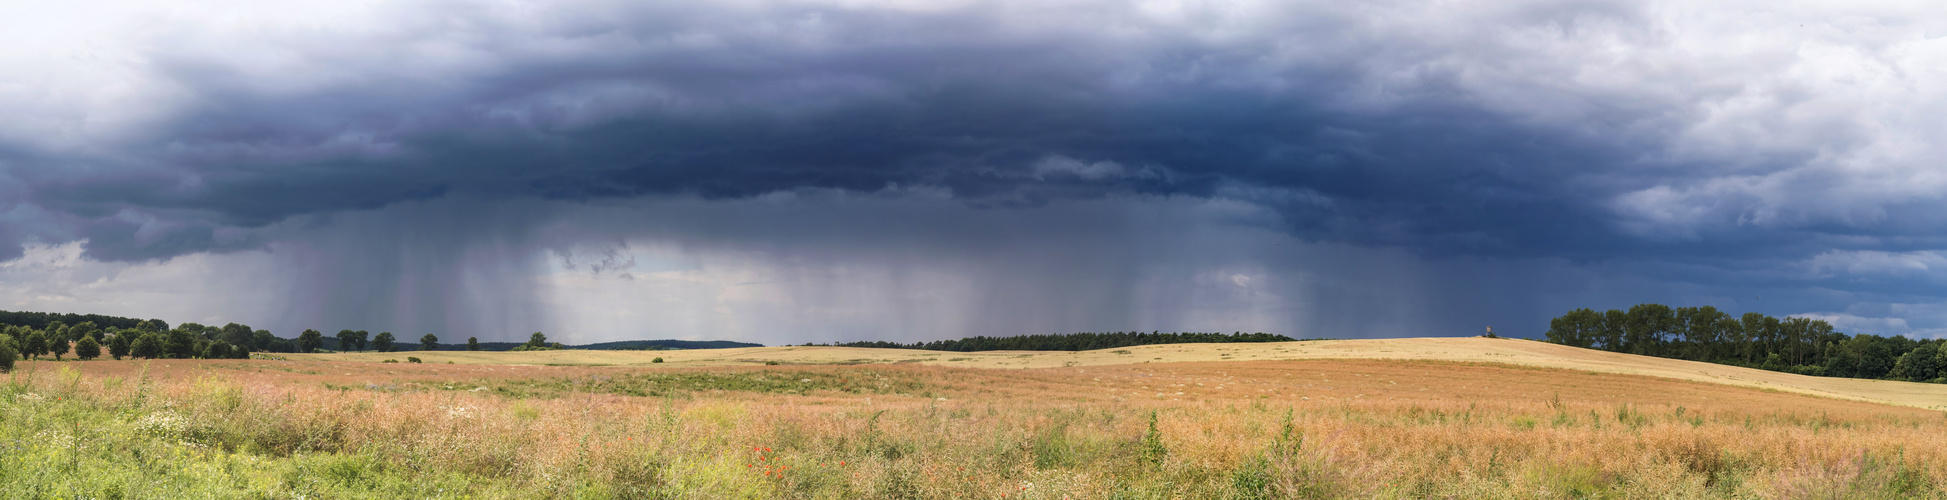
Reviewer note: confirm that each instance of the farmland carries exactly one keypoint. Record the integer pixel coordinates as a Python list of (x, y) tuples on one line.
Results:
[(1410, 418)]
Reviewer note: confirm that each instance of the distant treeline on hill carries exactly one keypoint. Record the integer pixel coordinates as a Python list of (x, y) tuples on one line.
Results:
[(40, 320), (36, 333), (1804, 346), (1086, 341), (625, 345)]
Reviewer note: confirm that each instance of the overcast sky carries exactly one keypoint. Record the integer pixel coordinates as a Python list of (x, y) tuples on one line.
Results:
[(815, 171)]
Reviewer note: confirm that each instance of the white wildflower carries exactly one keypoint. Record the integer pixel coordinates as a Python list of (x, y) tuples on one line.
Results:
[(162, 423)]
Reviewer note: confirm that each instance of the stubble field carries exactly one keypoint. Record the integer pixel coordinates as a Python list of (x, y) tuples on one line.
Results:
[(1057, 425)]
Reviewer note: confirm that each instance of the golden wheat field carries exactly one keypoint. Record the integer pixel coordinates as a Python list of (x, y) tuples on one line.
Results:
[(1292, 420)]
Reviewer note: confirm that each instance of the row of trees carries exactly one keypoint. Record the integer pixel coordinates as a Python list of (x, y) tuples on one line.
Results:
[(357, 340), (86, 342), (1793, 344), (31, 335), (1085, 341)]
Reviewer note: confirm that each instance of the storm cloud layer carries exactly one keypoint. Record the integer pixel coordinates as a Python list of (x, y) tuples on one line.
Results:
[(1313, 168)]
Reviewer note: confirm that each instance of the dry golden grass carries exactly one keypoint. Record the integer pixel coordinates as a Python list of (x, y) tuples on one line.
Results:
[(1318, 428), (1471, 350)]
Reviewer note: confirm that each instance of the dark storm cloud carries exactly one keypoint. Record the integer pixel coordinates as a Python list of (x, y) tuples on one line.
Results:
[(863, 99)]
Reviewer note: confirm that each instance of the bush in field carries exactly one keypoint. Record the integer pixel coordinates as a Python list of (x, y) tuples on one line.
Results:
[(383, 342), (1152, 451), (657, 360), (87, 349), (429, 342), (410, 359)]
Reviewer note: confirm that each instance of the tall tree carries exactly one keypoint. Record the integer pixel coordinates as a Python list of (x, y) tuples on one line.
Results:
[(238, 335), (217, 350), (9, 349), (35, 346), (57, 346), (473, 343), (347, 340), (262, 340), (180, 343), (84, 329), (118, 345), (383, 342), (146, 345), (309, 341), (429, 342), (1579, 328)]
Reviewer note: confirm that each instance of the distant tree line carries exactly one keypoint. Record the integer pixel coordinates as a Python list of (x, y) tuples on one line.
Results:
[(1085, 341), (40, 320), (32, 335), (1804, 346)]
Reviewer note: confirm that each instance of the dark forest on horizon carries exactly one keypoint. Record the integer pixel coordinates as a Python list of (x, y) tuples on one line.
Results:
[(1804, 346)]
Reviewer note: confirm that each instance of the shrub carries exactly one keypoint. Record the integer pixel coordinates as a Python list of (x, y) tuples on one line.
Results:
[(410, 359), (87, 349), (390, 361), (1152, 451), (657, 360)]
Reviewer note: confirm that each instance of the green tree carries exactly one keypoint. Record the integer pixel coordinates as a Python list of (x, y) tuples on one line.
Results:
[(383, 342), (359, 337), (346, 340), (262, 340), (536, 341), (1917, 365), (309, 341), (1579, 328), (8, 351), (217, 350), (180, 343), (87, 348), (473, 343), (239, 336), (147, 345), (84, 329), (429, 342), (35, 346), (57, 346), (118, 346)]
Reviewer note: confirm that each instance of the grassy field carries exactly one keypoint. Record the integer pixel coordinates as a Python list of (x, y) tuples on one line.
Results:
[(1263, 422), (1465, 350)]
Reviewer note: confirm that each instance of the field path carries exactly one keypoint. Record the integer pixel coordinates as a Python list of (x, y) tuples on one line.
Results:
[(1460, 350)]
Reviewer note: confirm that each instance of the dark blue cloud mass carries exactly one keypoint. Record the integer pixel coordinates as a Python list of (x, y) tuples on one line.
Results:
[(1706, 151)]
